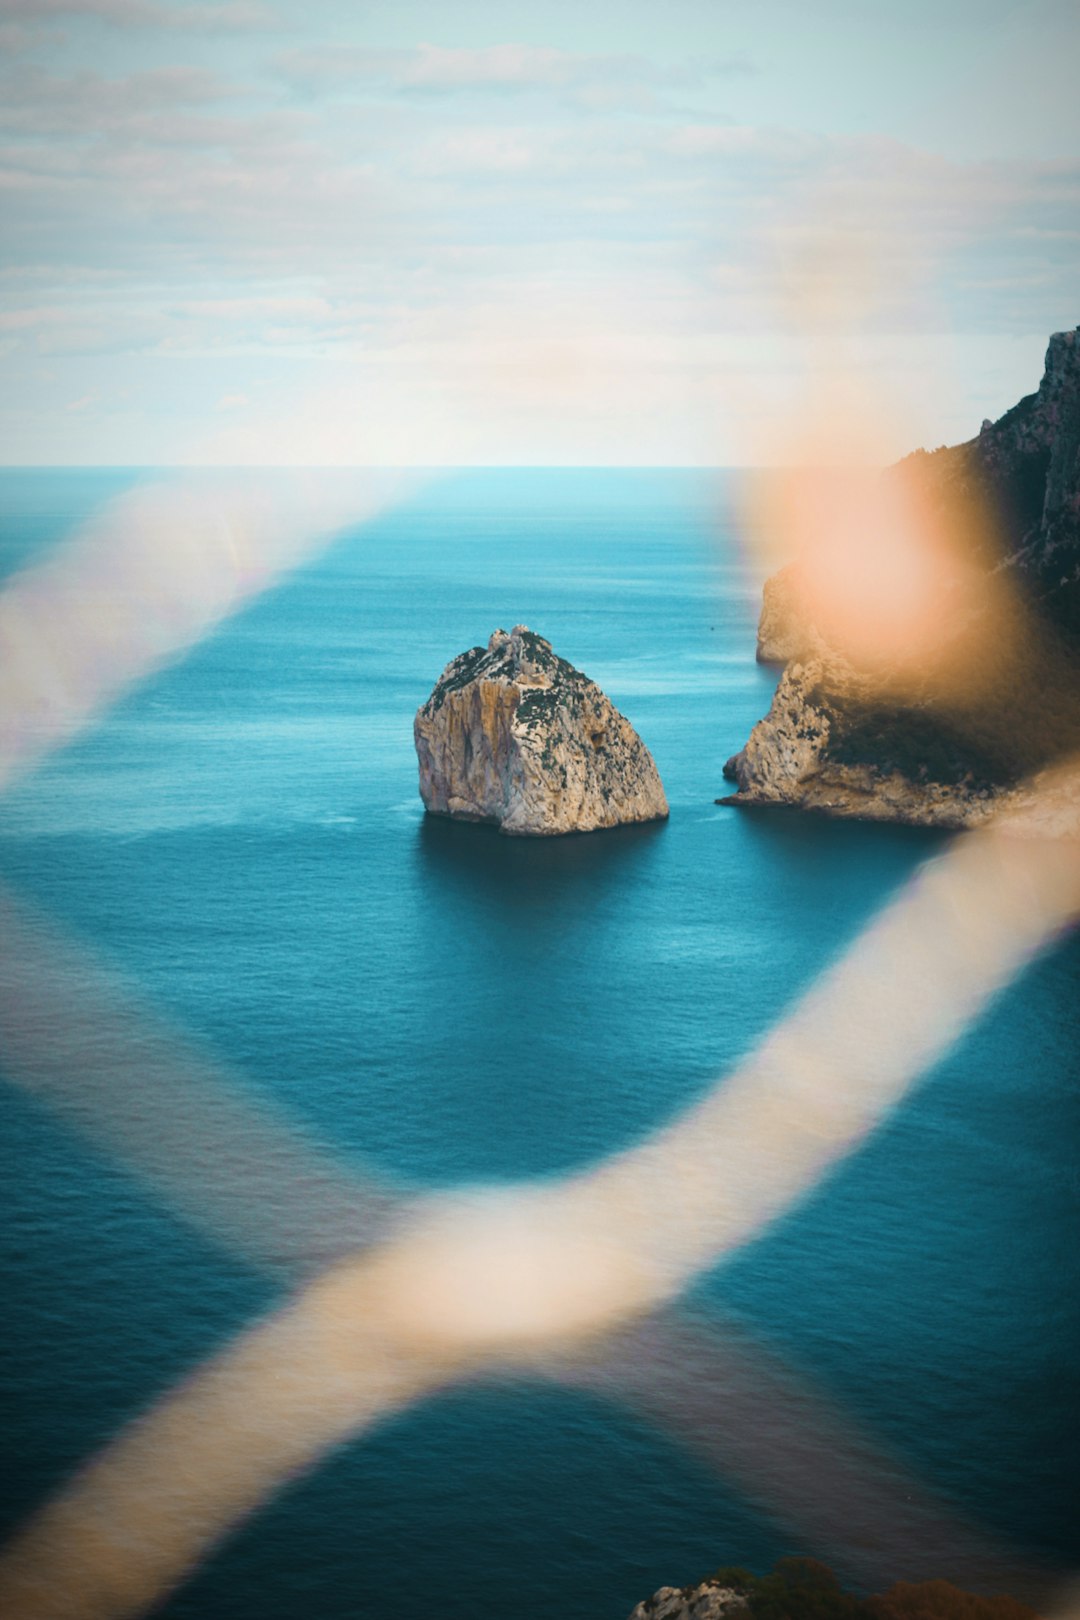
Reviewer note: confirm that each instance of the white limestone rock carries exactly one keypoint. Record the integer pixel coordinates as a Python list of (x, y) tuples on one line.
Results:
[(705, 1602), (513, 734)]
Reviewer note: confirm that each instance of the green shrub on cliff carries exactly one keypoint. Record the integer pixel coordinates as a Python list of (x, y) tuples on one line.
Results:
[(939, 1600), (803, 1589), (797, 1589)]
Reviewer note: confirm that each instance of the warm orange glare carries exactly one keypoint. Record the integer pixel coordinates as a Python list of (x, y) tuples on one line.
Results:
[(876, 582), (886, 563), (885, 576)]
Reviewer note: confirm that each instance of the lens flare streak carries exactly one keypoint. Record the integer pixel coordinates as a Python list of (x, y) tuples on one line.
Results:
[(486, 1279)]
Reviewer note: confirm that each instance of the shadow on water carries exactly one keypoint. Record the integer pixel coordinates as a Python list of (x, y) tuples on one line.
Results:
[(795, 833), (523, 875), (818, 853)]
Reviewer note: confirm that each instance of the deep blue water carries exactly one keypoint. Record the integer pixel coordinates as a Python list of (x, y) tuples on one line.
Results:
[(242, 836)]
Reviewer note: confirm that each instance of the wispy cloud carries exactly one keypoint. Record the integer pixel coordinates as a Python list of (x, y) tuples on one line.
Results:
[(437, 71), (89, 103), (427, 209), (231, 14)]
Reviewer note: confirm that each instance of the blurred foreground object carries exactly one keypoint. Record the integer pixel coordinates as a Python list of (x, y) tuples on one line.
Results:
[(155, 571), (484, 1281), (400, 1291), (930, 622)]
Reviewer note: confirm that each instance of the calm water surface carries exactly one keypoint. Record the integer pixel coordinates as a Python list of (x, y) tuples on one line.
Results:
[(242, 837)]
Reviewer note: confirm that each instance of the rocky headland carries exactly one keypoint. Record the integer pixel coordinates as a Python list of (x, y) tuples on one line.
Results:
[(513, 734), (946, 731)]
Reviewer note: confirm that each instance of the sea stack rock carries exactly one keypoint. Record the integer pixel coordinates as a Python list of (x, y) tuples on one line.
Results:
[(513, 734)]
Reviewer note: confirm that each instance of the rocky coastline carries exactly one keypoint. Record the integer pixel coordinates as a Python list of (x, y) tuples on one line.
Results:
[(964, 734)]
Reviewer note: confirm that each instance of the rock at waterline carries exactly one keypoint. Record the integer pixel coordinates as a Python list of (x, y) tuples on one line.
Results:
[(514, 735), (973, 726), (709, 1601)]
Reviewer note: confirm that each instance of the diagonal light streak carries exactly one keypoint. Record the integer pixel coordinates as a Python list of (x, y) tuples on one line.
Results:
[(490, 1278), (131, 1525), (143, 581), (146, 579), (787, 1447), (75, 1037), (919, 975), (460, 1282), (79, 1040)]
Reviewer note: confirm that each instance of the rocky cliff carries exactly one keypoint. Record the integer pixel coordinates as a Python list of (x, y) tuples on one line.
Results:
[(949, 732), (513, 734)]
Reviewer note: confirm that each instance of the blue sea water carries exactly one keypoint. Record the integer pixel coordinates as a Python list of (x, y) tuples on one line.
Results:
[(241, 835)]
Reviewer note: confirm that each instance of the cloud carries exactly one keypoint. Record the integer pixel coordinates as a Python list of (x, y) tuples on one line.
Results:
[(37, 102), (589, 80), (490, 150), (461, 214), (16, 38), (503, 67), (67, 119), (231, 14), (256, 202)]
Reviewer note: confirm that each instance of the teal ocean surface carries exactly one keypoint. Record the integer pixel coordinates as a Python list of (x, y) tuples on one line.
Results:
[(241, 837)]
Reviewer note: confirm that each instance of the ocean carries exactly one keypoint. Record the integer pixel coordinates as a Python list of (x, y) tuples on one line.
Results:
[(241, 838)]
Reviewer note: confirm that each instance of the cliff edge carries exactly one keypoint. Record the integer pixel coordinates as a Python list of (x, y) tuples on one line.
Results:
[(947, 730)]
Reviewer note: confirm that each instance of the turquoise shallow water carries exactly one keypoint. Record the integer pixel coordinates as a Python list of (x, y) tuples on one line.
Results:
[(242, 837)]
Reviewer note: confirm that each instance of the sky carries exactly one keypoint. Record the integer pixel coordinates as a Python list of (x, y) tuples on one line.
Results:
[(526, 231)]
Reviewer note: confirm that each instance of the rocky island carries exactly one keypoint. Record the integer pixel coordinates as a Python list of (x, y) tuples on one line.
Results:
[(513, 734), (949, 730)]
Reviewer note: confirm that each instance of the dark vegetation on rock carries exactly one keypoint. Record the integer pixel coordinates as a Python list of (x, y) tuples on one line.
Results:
[(804, 1589)]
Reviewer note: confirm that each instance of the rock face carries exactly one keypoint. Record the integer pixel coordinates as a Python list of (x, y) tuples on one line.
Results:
[(939, 748), (782, 632), (709, 1601), (514, 735)]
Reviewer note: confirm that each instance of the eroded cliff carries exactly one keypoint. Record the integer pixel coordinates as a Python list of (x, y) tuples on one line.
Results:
[(947, 732)]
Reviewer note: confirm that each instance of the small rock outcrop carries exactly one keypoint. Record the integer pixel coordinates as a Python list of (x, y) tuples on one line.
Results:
[(513, 734), (708, 1601), (951, 740)]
